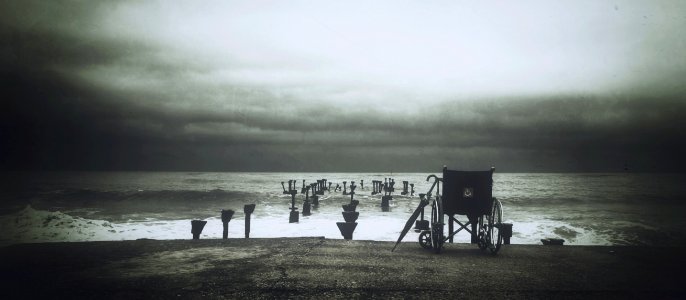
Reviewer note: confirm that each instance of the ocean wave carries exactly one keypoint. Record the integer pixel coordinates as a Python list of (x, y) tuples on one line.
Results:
[(167, 195), (31, 225)]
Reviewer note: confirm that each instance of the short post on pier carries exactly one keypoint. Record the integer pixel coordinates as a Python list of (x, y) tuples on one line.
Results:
[(226, 218), (196, 228), (248, 209)]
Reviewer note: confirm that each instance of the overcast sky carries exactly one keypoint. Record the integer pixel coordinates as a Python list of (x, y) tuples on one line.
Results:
[(376, 86)]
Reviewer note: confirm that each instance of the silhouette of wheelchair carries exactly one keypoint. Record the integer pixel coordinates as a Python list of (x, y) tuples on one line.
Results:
[(467, 193)]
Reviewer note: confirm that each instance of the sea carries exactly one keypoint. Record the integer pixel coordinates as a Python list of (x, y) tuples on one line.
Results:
[(582, 209)]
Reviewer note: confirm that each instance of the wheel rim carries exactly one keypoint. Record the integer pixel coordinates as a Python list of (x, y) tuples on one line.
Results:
[(436, 226), (495, 238)]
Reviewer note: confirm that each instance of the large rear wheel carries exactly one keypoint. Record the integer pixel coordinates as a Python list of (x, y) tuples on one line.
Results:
[(494, 237), (437, 225)]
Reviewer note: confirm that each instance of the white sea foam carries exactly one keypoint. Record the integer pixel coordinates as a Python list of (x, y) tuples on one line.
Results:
[(31, 226)]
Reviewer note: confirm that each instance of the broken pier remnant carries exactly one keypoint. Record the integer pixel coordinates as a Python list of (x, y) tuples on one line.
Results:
[(248, 209), (196, 228), (226, 218)]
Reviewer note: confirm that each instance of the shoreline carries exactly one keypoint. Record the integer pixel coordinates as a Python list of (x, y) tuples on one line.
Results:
[(315, 267)]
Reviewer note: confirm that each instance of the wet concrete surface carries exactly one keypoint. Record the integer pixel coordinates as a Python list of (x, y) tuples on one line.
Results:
[(322, 268)]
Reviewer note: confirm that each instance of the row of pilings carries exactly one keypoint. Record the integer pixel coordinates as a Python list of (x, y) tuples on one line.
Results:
[(350, 215), (316, 189)]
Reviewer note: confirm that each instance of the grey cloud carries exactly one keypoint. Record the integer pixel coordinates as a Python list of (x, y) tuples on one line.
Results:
[(77, 97)]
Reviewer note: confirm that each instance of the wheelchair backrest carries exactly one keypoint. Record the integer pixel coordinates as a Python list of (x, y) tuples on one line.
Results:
[(467, 192)]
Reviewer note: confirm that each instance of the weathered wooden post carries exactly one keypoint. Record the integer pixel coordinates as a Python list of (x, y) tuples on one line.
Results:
[(386, 198), (350, 215), (405, 191), (226, 218), (248, 209), (284, 188), (306, 204), (302, 191), (352, 190), (345, 188), (362, 184), (294, 215), (315, 198), (196, 228), (320, 187), (412, 189)]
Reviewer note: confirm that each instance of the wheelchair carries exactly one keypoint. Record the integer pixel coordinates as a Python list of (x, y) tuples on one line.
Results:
[(467, 193)]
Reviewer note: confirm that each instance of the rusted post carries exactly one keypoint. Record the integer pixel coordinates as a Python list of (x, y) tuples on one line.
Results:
[(248, 209), (196, 228), (294, 216), (226, 218)]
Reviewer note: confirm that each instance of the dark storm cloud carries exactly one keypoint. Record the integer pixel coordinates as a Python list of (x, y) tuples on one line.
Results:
[(79, 96)]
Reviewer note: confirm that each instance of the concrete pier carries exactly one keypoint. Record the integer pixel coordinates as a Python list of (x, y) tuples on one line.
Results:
[(340, 269)]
